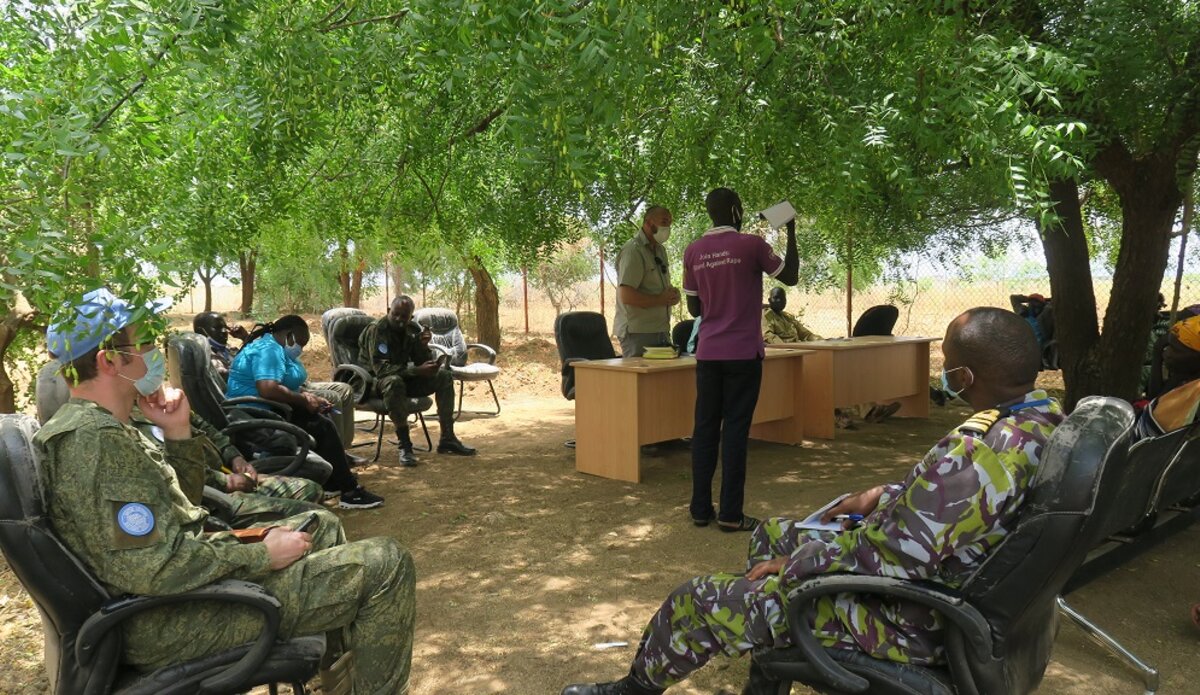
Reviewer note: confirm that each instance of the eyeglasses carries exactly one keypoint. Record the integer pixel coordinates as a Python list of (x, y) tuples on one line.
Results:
[(662, 265)]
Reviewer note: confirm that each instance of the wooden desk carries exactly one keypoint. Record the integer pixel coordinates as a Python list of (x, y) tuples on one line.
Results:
[(853, 371), (621, 404)]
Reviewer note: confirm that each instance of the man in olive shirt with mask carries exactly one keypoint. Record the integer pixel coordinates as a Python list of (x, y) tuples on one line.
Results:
[(645, 295)]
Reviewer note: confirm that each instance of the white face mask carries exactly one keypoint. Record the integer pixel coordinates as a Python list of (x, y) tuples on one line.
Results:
[(662, 234), (156, 371)]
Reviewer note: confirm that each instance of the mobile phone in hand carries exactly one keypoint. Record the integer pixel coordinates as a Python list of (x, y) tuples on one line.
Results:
[(309, 524)]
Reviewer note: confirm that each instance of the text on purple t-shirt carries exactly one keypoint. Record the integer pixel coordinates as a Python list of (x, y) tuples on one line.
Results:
[(724, 268)]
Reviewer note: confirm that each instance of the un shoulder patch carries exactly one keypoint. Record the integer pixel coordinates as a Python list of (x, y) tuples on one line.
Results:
[(383, 348), (135, 519), (979, 423)]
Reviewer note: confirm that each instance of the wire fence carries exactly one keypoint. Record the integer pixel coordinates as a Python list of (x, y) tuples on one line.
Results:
[(929, 293)]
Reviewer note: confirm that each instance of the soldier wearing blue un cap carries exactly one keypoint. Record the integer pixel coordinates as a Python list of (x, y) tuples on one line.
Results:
[(124, 505), (80, 329)]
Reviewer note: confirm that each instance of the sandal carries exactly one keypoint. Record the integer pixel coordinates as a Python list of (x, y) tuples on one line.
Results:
[(748, 523), (704, 522)]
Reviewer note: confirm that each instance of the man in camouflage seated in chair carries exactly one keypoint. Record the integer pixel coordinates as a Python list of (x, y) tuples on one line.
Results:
[(123, 503), (938, 524)]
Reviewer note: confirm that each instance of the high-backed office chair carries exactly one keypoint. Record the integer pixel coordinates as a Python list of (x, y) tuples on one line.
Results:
[(580, 335), (448, 339), (878, 320), (681, 334), (262, 434), (342, 328), (1156, 473), (81, 621), (1000, 624)]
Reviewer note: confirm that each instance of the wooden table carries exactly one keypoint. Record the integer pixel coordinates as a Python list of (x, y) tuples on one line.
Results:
[(621, 404), (853, 371)]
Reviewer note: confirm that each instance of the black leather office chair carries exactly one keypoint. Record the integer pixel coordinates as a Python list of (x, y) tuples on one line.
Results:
[(448, 339), (580, 335), (81, 621), (1134, 521), (681, 334), (878, 320), (262, 434), (1000, 625), (342, 327)]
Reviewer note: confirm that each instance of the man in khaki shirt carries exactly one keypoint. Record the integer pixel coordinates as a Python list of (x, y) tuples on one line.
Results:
[(779, 326), (645, 295)]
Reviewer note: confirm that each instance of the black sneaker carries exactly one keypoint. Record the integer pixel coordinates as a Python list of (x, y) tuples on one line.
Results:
[(359, 498), (407, 458)]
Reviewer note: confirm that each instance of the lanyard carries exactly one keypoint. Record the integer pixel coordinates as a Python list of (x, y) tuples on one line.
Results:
[(1022, 406)]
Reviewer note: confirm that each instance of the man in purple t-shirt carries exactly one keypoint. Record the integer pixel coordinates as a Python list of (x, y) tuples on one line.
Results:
[(722, 280)]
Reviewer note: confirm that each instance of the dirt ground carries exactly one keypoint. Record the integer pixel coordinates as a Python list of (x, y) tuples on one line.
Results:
[(525, 565)]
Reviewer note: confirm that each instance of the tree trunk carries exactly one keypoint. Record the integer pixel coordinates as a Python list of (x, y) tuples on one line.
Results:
[(1108, 363), (8, 333), (344, 276), (11, 325), (356, 284), (397, 280), (487, 305), (247, 262), (206, 278)]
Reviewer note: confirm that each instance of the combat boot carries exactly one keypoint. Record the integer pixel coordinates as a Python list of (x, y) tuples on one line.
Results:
[(626, 686), (759, 683)]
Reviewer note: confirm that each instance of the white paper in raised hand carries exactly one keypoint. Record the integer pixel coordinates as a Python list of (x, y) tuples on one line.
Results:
[(778, 214)]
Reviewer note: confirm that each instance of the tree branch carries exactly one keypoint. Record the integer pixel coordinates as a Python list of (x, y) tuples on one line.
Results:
[(480, 126), (137, 86), (368, 20)]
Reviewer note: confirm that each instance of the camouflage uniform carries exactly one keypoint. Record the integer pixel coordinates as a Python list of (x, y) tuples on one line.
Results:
[(394, 353), (123, 504), (938, 525), (275, 497), (782, 327)]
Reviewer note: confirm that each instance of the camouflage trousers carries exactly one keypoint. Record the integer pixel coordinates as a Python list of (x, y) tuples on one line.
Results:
[(288, 487), (729, 614), (276, 498), (397, 390), (362, 593)]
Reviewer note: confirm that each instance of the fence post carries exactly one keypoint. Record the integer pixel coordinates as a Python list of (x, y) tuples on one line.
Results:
[(849, 285), (602, 280), (525, 291)]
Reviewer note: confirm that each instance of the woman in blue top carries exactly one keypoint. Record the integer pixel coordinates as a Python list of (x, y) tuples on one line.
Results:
[(268, 366)]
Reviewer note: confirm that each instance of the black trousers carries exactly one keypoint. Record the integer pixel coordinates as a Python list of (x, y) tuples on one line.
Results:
[(726, 393), (329, 447)]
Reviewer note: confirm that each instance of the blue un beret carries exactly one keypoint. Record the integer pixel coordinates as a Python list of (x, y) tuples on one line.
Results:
[(81, 328)]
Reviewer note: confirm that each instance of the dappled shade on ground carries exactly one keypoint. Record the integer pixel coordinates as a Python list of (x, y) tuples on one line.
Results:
[(525, 565)]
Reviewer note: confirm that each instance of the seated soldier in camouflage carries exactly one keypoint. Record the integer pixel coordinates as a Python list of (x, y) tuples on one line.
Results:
[(251, 497), (779, 326), (122, 503), (938, 524), (404, 366)]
